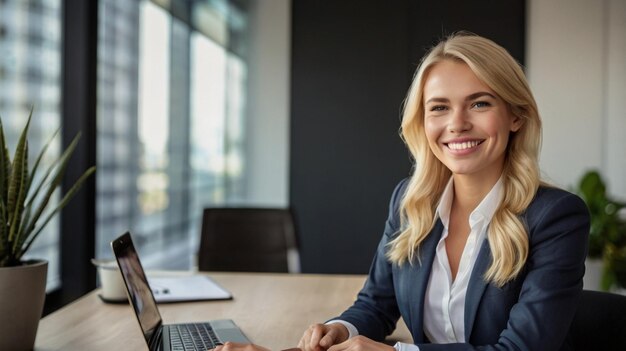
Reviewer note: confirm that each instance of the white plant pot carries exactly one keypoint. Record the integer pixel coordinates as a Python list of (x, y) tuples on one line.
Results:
[(22, 294)]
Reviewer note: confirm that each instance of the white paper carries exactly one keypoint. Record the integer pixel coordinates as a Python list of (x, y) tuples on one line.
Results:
[(186, 288)]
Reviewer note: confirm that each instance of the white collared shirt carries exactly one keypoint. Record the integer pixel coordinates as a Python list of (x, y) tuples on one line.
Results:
[(444, 303)]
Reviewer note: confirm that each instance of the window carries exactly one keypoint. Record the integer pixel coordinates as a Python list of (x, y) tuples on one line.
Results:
[(171, 100), (30, 76)]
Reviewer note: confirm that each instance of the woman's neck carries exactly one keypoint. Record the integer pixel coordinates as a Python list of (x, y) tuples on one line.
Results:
[(470, 191)]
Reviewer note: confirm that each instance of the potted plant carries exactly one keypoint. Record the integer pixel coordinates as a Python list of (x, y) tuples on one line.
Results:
[(24, 198), (607, 235)]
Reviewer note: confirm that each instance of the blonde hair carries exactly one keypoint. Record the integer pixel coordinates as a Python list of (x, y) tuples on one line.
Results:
[(507, 234)]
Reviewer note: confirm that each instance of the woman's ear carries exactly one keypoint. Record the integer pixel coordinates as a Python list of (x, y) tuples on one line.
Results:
[(516, 123)]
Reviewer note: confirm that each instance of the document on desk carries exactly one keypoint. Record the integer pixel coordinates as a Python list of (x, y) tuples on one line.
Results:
[(186, 288)]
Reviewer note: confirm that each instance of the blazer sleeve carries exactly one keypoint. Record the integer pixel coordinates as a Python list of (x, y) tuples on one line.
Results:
[(551, 288), (375, 312)]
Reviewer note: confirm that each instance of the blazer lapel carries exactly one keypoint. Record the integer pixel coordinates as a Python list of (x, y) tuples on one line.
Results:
[(417, 276), (476, 287)]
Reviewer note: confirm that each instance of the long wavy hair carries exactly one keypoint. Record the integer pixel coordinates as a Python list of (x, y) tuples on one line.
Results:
[(507, 234)]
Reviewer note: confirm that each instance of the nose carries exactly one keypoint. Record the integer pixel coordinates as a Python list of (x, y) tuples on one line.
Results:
[(459, 122)]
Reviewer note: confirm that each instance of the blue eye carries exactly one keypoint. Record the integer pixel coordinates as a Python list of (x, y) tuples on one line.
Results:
[(480, 104), (438, 108)]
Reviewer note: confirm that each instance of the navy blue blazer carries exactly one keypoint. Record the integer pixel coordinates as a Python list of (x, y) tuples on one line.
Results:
[(532, 312)]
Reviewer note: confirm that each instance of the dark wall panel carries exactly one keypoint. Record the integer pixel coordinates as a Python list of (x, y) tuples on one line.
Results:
[(501, 21), (352, 63)]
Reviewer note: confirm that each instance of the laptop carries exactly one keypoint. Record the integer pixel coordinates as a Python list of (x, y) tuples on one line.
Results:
[(166, 337)]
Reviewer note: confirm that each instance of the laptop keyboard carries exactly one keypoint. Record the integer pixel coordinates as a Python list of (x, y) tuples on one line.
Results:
[(194, 336)]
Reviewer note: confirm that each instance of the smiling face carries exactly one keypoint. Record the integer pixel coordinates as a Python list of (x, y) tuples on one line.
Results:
[(466, 123)]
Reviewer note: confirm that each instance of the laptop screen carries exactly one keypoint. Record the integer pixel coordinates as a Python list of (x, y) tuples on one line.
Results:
[(139, 292)]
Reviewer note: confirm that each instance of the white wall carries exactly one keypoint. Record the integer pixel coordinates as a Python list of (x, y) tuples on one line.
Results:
[(615, 166), (576, 66), (269, 79)]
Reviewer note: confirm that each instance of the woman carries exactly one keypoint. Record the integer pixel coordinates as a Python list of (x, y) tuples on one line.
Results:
[(477, 253)]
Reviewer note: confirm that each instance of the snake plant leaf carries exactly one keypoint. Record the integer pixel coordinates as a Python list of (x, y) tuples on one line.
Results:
[(54, 183), (7, 171), (33, 172), (66, 199), (16, 224), (42, 181), (22, 234), (4, 242), (5, 164), (15, 179), (17, 189)]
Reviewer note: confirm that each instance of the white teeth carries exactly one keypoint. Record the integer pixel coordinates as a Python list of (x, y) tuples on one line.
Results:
[(464, 145)]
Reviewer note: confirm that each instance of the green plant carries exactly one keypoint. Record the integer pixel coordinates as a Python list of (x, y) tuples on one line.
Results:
[(21, 206), (607, 235)]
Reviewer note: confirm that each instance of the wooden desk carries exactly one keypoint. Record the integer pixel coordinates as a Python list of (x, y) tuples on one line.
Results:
[(273, 310)]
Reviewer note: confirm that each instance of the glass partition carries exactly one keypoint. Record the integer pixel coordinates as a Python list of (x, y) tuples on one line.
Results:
[(171, 98)]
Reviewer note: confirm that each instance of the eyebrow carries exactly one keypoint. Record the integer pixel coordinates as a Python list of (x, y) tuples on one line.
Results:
[(470, 97)]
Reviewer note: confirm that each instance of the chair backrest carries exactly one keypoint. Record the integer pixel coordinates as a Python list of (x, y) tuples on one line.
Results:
[(599, 322), (247, 240)]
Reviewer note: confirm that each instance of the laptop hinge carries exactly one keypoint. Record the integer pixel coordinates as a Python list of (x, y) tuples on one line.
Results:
[(156, 339)]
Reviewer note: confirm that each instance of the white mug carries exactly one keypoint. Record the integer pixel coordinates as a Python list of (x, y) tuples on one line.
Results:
[(112, 284)]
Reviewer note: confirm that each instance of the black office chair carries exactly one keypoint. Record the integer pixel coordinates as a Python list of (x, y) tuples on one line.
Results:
[(599, 322), (248, 240)]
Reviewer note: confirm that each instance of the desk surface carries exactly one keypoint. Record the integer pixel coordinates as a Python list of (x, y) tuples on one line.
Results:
[(273, 310)]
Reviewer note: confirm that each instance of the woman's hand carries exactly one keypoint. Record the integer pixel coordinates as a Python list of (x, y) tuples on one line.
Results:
[(361, 343), (235, 346), (320, 337)]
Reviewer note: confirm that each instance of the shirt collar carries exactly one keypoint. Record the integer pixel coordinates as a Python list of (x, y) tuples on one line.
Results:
[(484, 211)]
